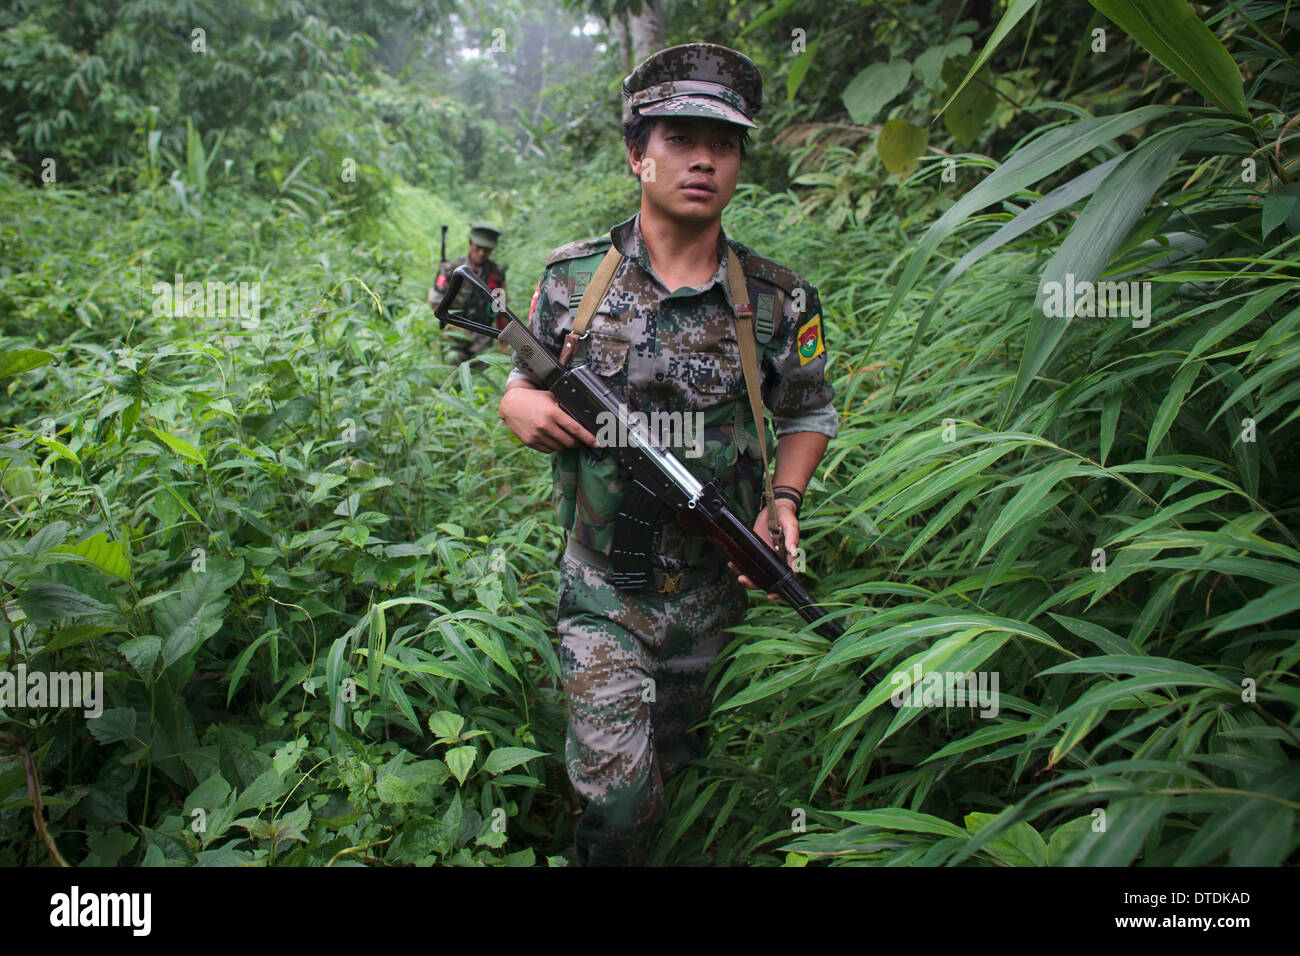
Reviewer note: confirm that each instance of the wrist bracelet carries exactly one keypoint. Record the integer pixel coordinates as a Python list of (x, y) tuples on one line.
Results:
[(789, 495)]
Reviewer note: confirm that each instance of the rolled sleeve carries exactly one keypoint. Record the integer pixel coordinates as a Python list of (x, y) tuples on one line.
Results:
[(824, 421)]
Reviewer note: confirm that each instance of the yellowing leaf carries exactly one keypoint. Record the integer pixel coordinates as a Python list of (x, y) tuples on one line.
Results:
[(901, 145), (109, 556)]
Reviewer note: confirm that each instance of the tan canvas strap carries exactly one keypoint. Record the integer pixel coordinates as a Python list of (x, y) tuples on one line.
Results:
[(595, 294), (749, 365)]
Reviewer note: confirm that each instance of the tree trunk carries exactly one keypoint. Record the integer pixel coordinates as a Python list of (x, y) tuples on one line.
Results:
[(647, 31), (642, 35)]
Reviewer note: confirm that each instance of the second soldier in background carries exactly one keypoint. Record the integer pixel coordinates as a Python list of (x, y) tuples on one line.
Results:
[(483, 238)]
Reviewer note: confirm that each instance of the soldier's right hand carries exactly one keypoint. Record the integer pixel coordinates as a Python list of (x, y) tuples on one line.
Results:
[(537, 420)]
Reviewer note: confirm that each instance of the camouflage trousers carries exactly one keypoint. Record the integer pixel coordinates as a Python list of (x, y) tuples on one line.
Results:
[(634, 664)]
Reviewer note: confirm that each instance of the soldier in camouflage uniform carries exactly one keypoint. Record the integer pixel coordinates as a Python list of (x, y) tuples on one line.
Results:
[(483, 238), (664, 336)]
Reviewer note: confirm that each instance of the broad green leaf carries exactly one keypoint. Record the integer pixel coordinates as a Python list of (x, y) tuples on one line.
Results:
[(17, 361), (49, 601), (1110, 643), (1127, 824), (928, 66), (445, 723), (114, 724), (267, 788), (1276, 209), (75, 634), (1019, 844), (141, 652), (1065, 838), (507, 758), (967, 112), (208, 795), (393, 789), (460, 760), (873, 87), (196, 610)]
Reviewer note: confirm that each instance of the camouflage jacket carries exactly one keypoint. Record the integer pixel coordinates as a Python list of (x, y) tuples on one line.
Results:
[(676, 352)]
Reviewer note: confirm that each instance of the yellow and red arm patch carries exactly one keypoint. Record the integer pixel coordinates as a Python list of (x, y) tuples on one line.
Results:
[(809, 340)]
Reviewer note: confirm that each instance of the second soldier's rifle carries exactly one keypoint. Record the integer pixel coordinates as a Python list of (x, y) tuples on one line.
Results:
[(659, 479)]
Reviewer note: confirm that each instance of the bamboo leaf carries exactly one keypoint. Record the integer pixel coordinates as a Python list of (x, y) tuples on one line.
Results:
[(1028, 501), (1102, 225), (1175, 36), (1040, 158), (1171, 405)]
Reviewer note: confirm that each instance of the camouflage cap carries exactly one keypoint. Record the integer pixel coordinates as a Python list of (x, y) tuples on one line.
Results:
[(696, 79), (483, 234)]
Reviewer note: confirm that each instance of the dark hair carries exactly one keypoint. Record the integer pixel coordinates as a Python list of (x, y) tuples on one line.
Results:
[(636, 132)]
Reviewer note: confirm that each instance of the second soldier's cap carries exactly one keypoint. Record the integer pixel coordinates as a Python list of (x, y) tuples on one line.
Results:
[(696, 79), (482, 234)]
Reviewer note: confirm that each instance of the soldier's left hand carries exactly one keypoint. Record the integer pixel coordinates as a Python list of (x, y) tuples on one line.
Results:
[(789, 523)]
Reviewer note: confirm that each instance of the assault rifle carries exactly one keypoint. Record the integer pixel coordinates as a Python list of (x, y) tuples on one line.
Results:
[(659, 479)]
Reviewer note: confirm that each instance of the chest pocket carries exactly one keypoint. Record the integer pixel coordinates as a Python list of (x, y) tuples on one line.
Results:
[(607, 354)]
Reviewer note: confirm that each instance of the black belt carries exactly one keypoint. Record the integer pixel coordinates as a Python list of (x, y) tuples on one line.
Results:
[(661, 581)]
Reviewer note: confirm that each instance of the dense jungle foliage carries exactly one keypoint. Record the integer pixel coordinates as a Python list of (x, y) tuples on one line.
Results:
[(319, 576)]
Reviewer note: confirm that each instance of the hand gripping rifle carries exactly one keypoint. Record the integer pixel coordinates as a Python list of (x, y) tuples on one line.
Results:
[(659, 479)]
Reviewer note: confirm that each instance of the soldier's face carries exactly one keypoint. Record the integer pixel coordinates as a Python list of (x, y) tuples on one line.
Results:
[(689, 169), (477, 255)]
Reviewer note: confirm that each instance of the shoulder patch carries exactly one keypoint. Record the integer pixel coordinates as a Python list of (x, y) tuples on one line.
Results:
[(579, 249)]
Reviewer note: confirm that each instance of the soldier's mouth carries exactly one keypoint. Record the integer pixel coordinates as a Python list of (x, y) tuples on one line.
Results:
[(698, 190)]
